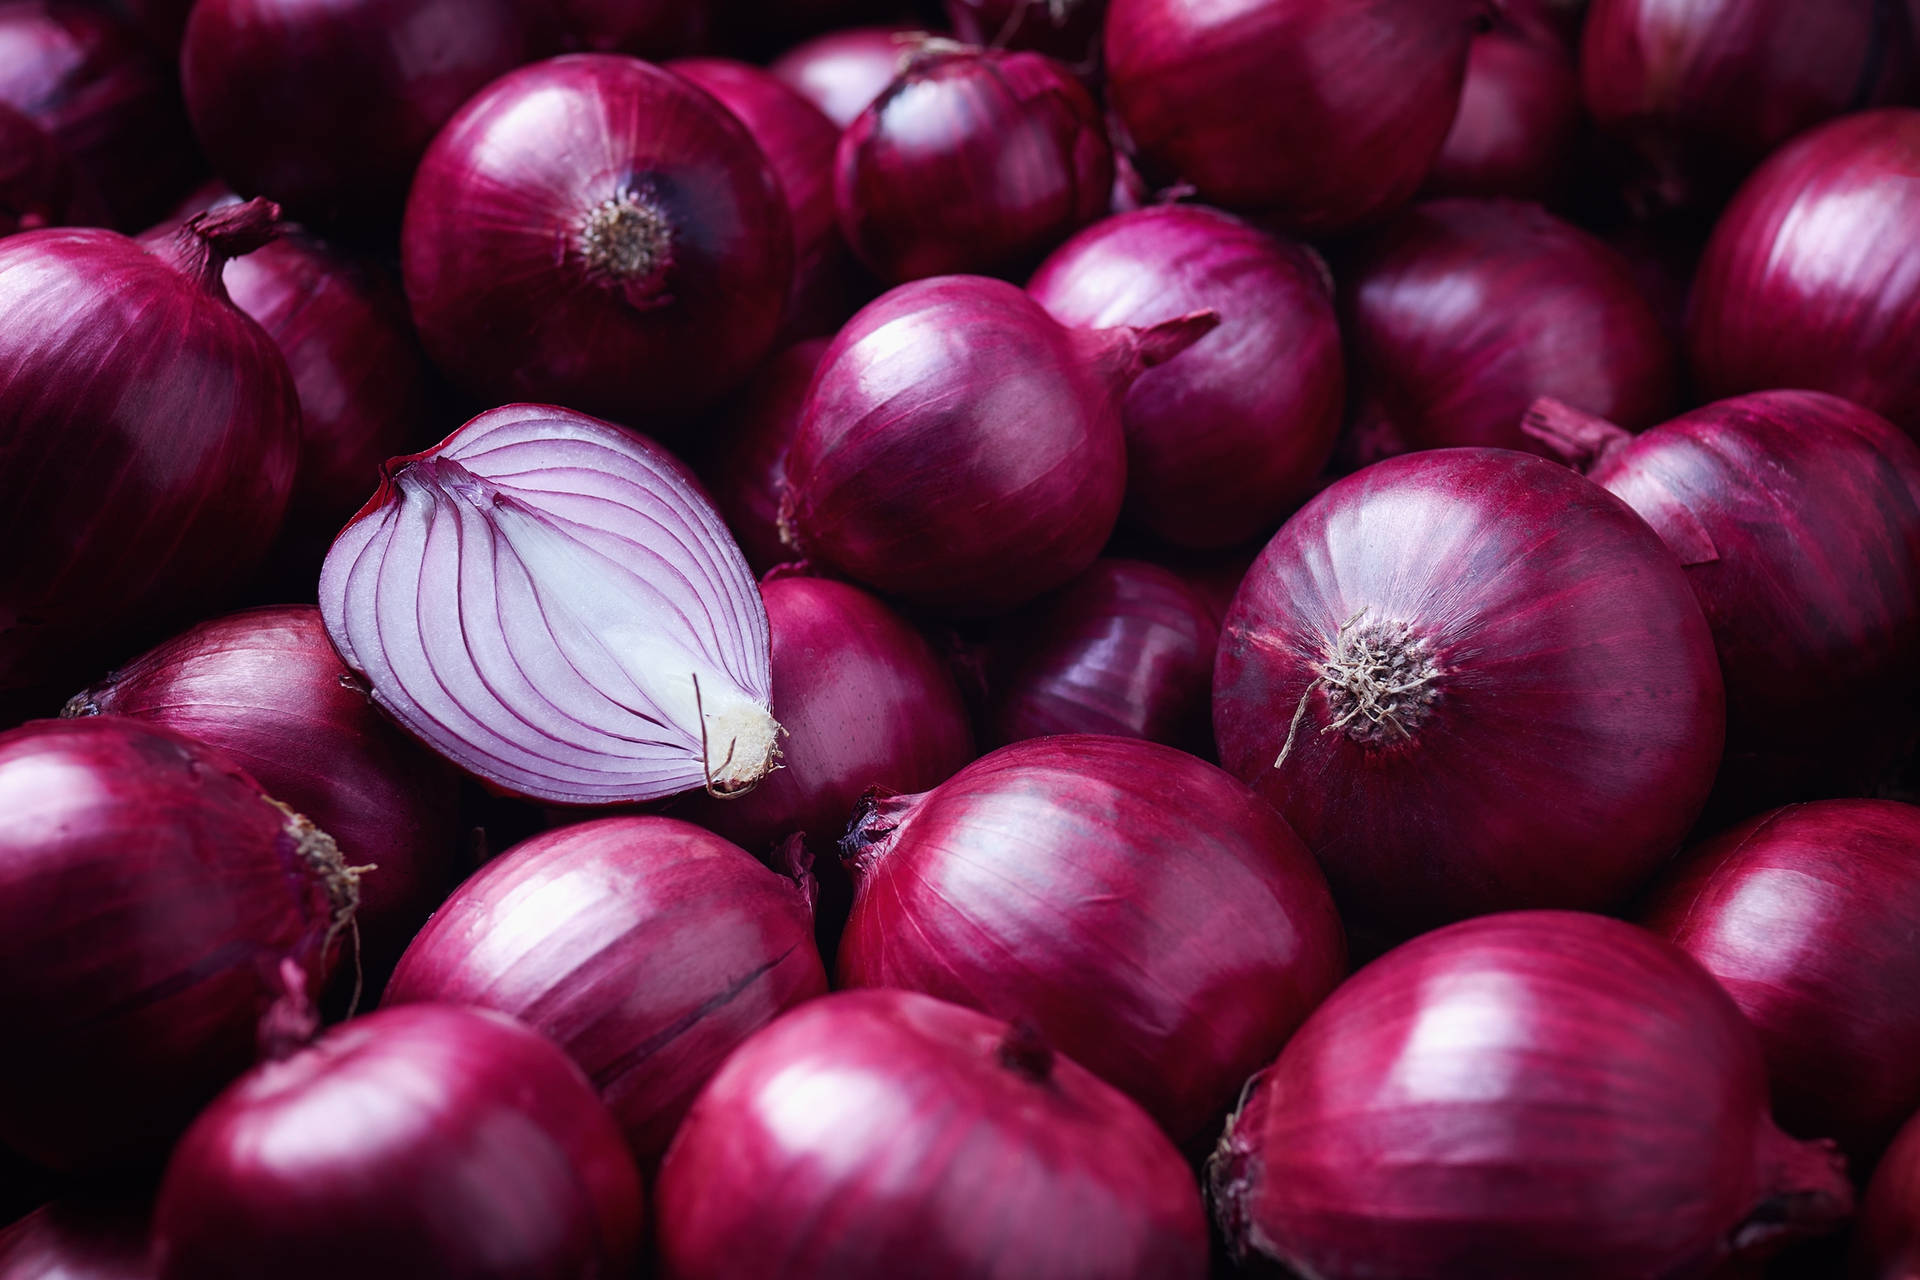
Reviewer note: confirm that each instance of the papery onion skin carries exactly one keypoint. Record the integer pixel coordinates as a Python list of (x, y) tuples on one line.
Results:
[(972, 160), (1812, 276), (1065, 29), (842, 72), (1323, 115), (327, 108), (746, 468), (35, 180), (1806, 916), (595, 231), (1464, 312), (647, 948), (962, 1147), (427, 1140), (1519, 114), (1518, 769), (148, 892), (1148, 915), (77, 1240), (265, 687), (1530, 1094), (1225, 441), (1887, 1240)]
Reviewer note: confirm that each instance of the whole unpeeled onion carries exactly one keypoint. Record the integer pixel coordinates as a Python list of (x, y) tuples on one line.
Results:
[(842, 72), (746, 467), (36, 182), (876, 1134), (1887, 1242), (1519, 112), (1472, 680), (1531, 1094), (595, 231)]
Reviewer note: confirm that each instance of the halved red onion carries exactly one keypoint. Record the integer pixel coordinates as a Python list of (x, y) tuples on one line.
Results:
[(1540, 1093), (1519, 113), (550, 602), (78, 1240), (1472, 680), (842, 72), (745, 469), (36, 182), (1887, 1243)]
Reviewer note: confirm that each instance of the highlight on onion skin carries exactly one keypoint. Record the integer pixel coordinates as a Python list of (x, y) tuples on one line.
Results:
[(1149, 916), (36, 182), (842, 72), (1395, 676), (1887, 1239), (1538, 1093), (875, 1134), (745, 468), (78, 1240), (1519, 112)]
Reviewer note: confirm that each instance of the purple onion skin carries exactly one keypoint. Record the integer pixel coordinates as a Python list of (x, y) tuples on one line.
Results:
[(1812, 276), (1539, 1093), (1225, 440), (1887, 1240), (746, 469), (36, 182), (1806, 916), (884, 1133), (647, 948), (1519, 116), (148, 890), (497, 229), (1470, 569), (1148, 915), (1065, 29), (842, 72), (424, 1141), (77, 1240), (1465, 311)]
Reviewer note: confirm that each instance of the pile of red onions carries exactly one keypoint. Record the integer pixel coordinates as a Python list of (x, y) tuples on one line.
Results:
[(1472, 680), (1519, 111), (35, 180), (746, 468), (551, 603), (1148, 915), (883, 1133), (842, 72), (424, 1141), (77, 1240), (1887, 1242), (1538, 1094)]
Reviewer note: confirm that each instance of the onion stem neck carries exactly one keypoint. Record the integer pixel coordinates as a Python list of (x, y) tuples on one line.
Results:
[(628, 240), (210, 240)]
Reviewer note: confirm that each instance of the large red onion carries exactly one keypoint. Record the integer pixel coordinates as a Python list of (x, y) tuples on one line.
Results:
[(266, 688), (1807, 916), (1812, 276), (842, 72), (1324, 114), (1541, 1093), (645, 28), (876, 1134), (746, 468), (148, 433), (153, 904), (328, 107), (645, 947), (962, 449), (1472, 680), (36, 183), (1154, 920), (1519, 113), (1466, 311), (1887, 1243), (596, 231), (1065, 29), (424, 1141), (551, 603), (1798, 517), (1225, 441), (77, 1240), (972, 160)]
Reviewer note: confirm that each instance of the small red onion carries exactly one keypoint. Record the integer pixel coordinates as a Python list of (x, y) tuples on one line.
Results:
[(1541, 1093), (327, 108), (152, 904), (1812, 276), (1519, 114), (1065, 29), (842, 72), (1397, 676), (651, 29), (876, 1134), (1148, 915), (424, 1141), (1225, 441), (972, 160), (1887, 1241), (550, 602), (1324, 114), (1466, 311), (962, 449), (36, 182), (596, 231), (746, 469), (77, 1240)]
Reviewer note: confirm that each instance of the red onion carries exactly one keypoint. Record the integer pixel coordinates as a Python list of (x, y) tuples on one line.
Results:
[(1472, 680), (77, 1240), (328, 107), (1065, 29), (842, 72), (1466, 311), (1519, 114), (1125, 649), (1541, 1093), (1807, 917), (645, 28), (548, 601), (1798, 517), (1887, 1243), (148, 433), (152, 903), (266, 688), (1153, 919), (597, 231), (962, 449), (882, 1133), (1812, 277), (35, 180), (1224, 442), (425, 1141), (1323, 113), (746, 470), (556, 930)]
